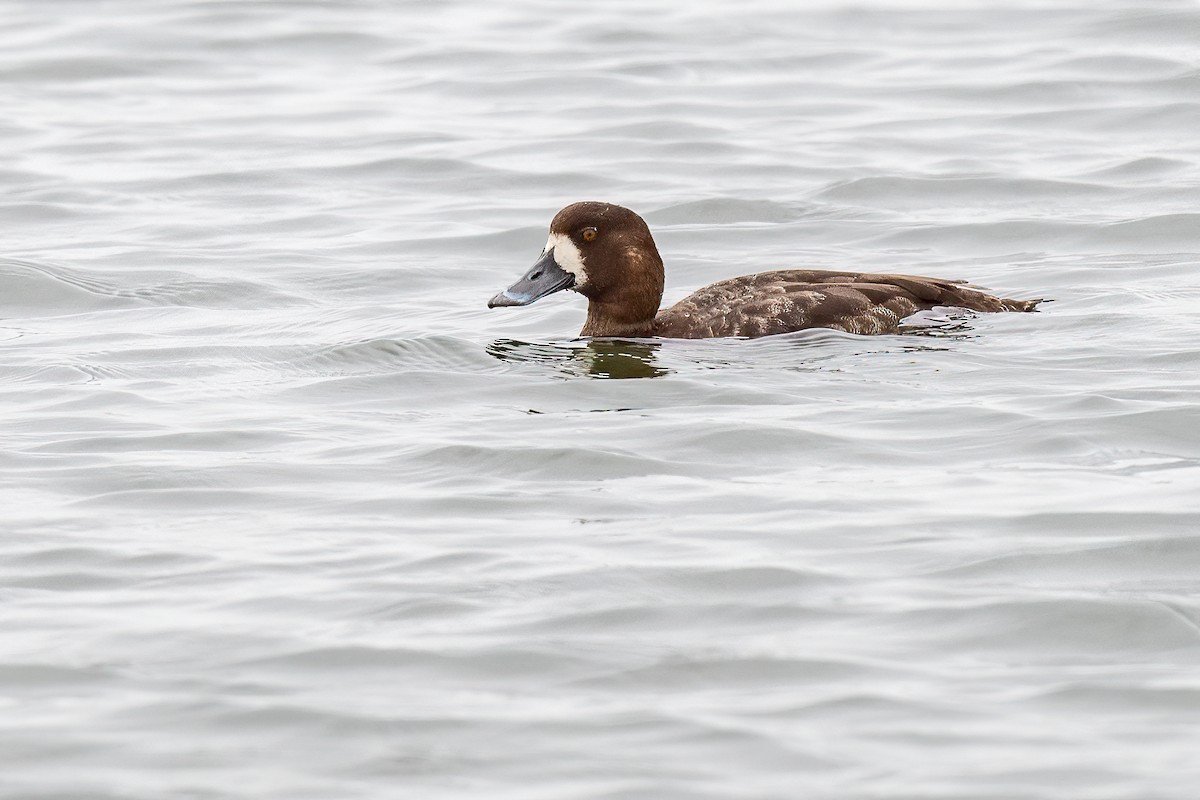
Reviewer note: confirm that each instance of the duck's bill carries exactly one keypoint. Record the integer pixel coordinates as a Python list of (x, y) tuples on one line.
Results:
[(545, 277)]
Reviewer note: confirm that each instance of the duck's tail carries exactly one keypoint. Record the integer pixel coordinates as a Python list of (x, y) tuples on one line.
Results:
[(1021, 305)]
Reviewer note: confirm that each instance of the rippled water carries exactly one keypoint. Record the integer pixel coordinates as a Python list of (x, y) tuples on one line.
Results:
[(289, 513)]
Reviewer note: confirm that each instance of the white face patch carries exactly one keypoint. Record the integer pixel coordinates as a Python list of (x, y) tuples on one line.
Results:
[(567, 255)]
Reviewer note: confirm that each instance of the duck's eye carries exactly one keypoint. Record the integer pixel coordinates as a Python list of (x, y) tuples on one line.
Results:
[(589, 234)]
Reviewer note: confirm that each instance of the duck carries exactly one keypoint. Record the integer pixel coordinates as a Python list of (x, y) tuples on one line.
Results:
[(606, 253)]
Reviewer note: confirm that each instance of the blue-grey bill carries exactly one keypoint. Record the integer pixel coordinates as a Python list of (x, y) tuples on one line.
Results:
[(545, 277)]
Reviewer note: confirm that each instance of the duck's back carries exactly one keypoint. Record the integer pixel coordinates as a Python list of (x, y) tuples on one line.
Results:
[(768, 303)]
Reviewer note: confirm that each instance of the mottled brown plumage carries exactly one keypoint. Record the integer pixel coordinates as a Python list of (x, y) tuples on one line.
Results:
[(790, 300), (610, 255)]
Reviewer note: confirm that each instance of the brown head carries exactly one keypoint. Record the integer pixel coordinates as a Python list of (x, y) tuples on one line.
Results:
[(605, 253)]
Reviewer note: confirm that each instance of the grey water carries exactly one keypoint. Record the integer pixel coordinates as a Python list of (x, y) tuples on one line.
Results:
[(289, 513)]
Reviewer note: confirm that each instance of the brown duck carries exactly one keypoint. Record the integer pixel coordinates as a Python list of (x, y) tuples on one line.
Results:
[(606, 253)]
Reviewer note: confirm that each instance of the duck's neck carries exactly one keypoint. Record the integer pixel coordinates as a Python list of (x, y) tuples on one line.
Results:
[(610, 319), (629, 308)]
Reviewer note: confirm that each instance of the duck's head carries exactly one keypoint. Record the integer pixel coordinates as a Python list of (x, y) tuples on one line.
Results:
[(605, 253)]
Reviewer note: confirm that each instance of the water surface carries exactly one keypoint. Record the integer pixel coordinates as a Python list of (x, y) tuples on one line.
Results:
[(289, 513)]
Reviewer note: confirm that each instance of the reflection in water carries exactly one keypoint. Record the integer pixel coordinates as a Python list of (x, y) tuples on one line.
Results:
[(594, 358), (941, 322), (803, 350)]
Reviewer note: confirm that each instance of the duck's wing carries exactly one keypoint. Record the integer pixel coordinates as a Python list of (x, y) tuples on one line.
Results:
[(790, 300)]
